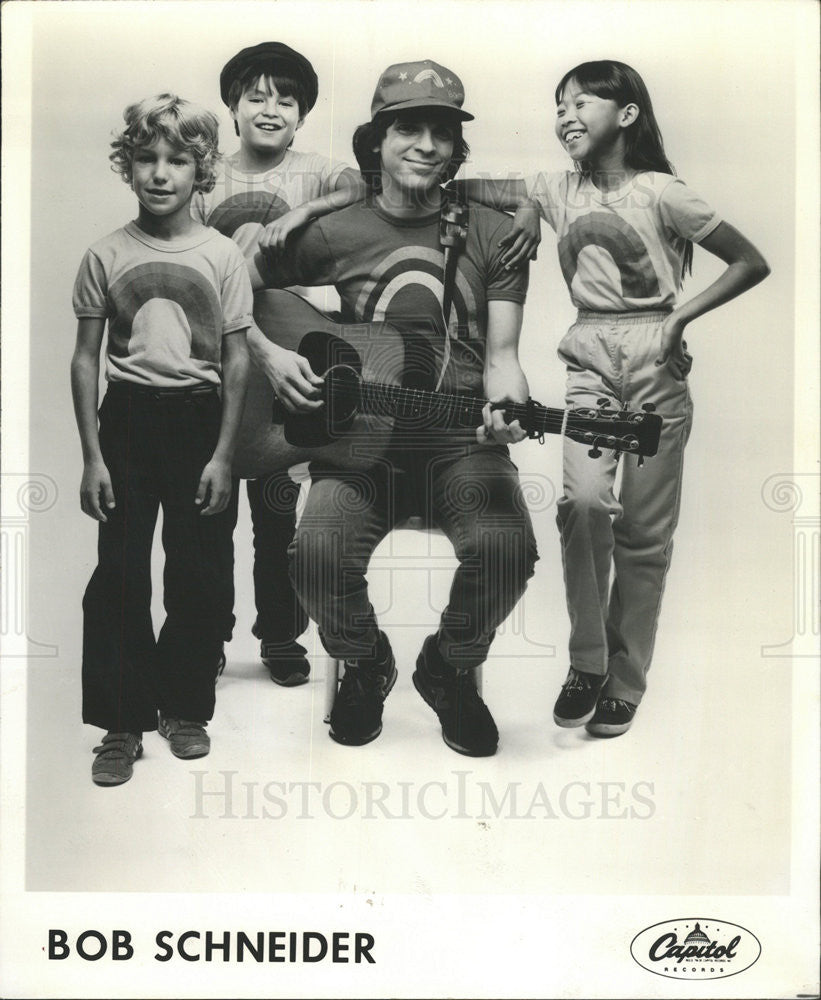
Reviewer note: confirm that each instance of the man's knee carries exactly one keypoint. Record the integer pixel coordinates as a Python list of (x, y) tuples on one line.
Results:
[(507, 547), (315, 558)]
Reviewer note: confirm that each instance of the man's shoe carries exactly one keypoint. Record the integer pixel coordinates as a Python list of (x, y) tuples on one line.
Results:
[(613, 717), (188, 740), (467, 725), (356, 717), (577, 701), (114, 758), (286, 662)]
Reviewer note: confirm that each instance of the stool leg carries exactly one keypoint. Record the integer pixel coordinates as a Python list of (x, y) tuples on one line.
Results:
[(332, 666), (478, 678)]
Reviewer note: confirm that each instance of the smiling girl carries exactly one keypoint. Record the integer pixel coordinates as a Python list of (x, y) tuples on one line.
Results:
[(625, 226)]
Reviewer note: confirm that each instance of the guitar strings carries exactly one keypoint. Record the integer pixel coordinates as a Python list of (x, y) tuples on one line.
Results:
[(417, 402), (404, 402), (414, 399)]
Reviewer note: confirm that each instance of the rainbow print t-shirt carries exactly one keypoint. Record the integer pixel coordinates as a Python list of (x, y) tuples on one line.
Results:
[(168, 304), (622, 250)]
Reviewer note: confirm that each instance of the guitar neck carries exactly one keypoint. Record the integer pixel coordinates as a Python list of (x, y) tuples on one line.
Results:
[(598, 427), (453, 410)]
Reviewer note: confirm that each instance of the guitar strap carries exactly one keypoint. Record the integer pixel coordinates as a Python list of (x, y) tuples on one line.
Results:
[(453, 232)]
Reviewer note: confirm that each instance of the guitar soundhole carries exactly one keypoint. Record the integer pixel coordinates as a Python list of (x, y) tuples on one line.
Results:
[(342, 399), (341, 366)]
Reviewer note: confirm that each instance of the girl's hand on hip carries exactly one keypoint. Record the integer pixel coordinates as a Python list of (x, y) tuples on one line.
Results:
[(673, 348), (672, 333)]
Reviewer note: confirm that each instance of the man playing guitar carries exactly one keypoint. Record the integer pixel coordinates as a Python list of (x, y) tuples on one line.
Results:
[(385, 259)]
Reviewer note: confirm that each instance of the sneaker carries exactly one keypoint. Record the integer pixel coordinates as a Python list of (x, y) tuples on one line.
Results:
[(114, 758), (356, 717), (467, 725), (286, 662), (187, 739), (613, 717), (577, 701)]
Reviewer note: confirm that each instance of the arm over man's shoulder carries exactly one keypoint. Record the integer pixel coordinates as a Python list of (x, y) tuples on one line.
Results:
[(502, 282), (307, 260)]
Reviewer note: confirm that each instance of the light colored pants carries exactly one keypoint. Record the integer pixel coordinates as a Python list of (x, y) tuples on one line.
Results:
[(617, 540)]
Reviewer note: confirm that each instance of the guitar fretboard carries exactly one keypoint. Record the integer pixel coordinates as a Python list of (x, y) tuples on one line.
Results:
[(447, 409)]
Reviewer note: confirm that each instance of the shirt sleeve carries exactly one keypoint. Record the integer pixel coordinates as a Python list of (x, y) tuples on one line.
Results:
[(198, 208), (502, 282), (330, 175), (685, 213), (317, 174), (308, 260), (543, 188), (89, 298), (236, 295)]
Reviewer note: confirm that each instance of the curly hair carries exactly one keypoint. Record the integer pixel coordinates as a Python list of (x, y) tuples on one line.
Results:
[(367, 141), (183, 125)]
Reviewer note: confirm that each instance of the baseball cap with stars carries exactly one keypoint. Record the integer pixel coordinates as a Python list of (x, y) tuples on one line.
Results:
[(422, 84)]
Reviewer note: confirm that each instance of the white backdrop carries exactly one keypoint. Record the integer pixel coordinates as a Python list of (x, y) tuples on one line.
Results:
[(732, 84)]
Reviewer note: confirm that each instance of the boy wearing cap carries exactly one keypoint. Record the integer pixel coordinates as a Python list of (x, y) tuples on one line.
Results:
[(266, 189), (384, 257)]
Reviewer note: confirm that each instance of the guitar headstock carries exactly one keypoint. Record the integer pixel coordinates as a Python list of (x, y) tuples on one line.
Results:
[(635, 432)]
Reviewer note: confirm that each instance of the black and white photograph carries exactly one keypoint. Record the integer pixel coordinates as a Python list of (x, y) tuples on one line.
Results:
[(410, 499)]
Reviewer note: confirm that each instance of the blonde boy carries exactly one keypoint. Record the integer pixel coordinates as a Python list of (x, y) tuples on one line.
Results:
[(177, 301)]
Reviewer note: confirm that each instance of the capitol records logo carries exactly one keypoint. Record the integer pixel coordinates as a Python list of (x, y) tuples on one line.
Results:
[(695, 949)]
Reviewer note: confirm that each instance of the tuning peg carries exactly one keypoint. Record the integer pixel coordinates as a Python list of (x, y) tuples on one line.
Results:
[(594, 452), (602, 402), (649, 407)]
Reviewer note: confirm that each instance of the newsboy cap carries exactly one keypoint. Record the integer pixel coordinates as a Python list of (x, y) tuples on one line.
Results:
[(271, 57)]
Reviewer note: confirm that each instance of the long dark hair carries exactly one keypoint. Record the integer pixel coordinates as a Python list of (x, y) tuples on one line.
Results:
[(644, 146), (367, 140)]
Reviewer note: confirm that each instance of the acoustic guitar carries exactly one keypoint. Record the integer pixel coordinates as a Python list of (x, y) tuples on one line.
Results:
[(366, 397)]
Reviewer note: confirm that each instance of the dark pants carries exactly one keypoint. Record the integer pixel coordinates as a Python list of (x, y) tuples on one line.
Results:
[(155, 446), (280, 617), (473, 495)]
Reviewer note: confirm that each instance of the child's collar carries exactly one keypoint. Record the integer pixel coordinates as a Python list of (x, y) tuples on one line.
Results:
[(232, 163)]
